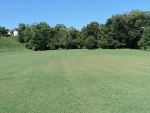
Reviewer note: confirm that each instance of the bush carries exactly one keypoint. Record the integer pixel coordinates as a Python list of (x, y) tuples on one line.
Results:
[(90, 42), (51, 46)]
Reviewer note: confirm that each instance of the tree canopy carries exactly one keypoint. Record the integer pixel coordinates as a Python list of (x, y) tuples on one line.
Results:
[(3, 31), (119, 31)]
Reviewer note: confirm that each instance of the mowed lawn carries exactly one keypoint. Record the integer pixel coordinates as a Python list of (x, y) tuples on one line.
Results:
[(75, 81)]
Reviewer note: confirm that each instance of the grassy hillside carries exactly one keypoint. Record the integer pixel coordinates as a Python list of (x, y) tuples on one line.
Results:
[(10, 44), (75, 81)]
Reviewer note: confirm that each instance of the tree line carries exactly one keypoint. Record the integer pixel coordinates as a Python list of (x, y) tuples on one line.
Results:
[(128, 30)]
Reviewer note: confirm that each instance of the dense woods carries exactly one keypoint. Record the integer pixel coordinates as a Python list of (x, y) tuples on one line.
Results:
[(128, 30)]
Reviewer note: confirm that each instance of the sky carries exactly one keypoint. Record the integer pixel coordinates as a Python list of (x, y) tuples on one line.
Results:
[(71, 13)]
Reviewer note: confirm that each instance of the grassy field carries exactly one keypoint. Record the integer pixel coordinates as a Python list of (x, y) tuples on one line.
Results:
[(75, 81), (10, 44)]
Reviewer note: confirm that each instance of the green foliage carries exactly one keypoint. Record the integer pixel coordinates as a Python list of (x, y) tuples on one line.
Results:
[(90, 42), (63, 37), (51, 46), (103, 43), (56, 35), (120, 31), (141, 45), (36, 36), (79, 42), (3, 32), (145, 40), (10, 44), (103, 30), (41, 38), (127, 28), (91, 29), (21, 34)]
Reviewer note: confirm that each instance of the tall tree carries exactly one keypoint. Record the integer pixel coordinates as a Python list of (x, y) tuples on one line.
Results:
[(21, 33), (91, 29), (145, 40), (3, 31), (56, 36), (127, 28), (63, 37), (72, 34), (41, 35), (90, 42)]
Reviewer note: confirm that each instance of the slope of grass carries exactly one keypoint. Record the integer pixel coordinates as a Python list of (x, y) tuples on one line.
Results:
[(75, 81), (10, 44)]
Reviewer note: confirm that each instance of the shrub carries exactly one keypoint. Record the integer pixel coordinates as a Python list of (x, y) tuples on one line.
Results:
[(90, 42)]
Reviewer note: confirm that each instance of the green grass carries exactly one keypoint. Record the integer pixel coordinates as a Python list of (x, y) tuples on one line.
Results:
[(75, 81), (11, 44)]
